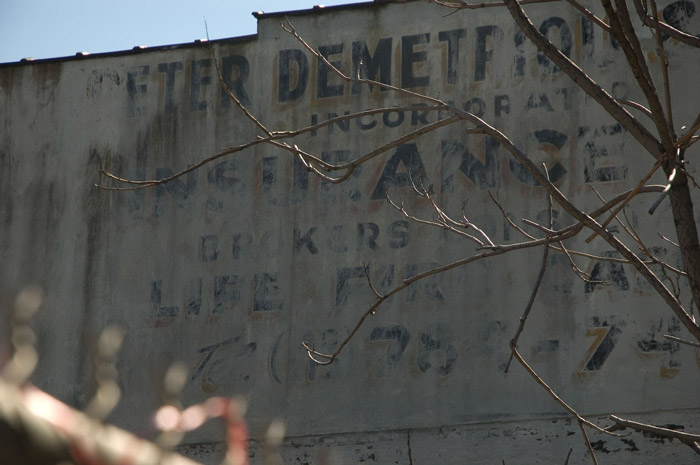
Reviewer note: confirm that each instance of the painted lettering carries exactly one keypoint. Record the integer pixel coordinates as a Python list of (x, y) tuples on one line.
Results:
[(452, 38), (197, 81), (374, 67), (407, 157), (133, 89), (323, 88), (235, 84), (293, 75), (412, 59), (168, 87)]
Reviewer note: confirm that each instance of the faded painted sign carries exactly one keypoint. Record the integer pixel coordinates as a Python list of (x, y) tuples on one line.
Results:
[(231, 266)]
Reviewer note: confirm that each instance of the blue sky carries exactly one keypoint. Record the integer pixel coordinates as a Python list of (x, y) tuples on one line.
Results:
[(55, 28)]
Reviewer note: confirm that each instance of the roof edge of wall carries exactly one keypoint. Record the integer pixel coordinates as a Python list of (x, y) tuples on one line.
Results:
[(318, 9), (133, 51)]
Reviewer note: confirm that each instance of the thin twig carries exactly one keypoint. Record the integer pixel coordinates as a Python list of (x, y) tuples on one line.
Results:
[(637, 106), (508, 218), (668, 240), (443, 222), (538, 281), (682, 341), (369, 280), (686, 438), (684, 140), (589, 446), (674, 285), (629, 197), (664, 68), (588, 14), (463, 5), (230, 94), (585, 277), (554, 395)]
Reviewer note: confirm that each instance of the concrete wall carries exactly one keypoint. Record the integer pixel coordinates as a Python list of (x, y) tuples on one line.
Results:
[(228, 268)]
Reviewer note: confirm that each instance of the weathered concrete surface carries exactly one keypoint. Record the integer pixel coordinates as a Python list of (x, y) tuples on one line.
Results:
[(231, 266), (516, 443)]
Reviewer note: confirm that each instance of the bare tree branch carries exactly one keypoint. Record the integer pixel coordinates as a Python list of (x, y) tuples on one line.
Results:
[(626, 36), (589, 222), (231, 95), (554, 395), (682, 341), (638, 106), (464, 5), (679, 35), (636, 129), (536, 286), (691, 440), (664, 67), (273, 139), (588, 14), (628, 198), (588, 442)]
